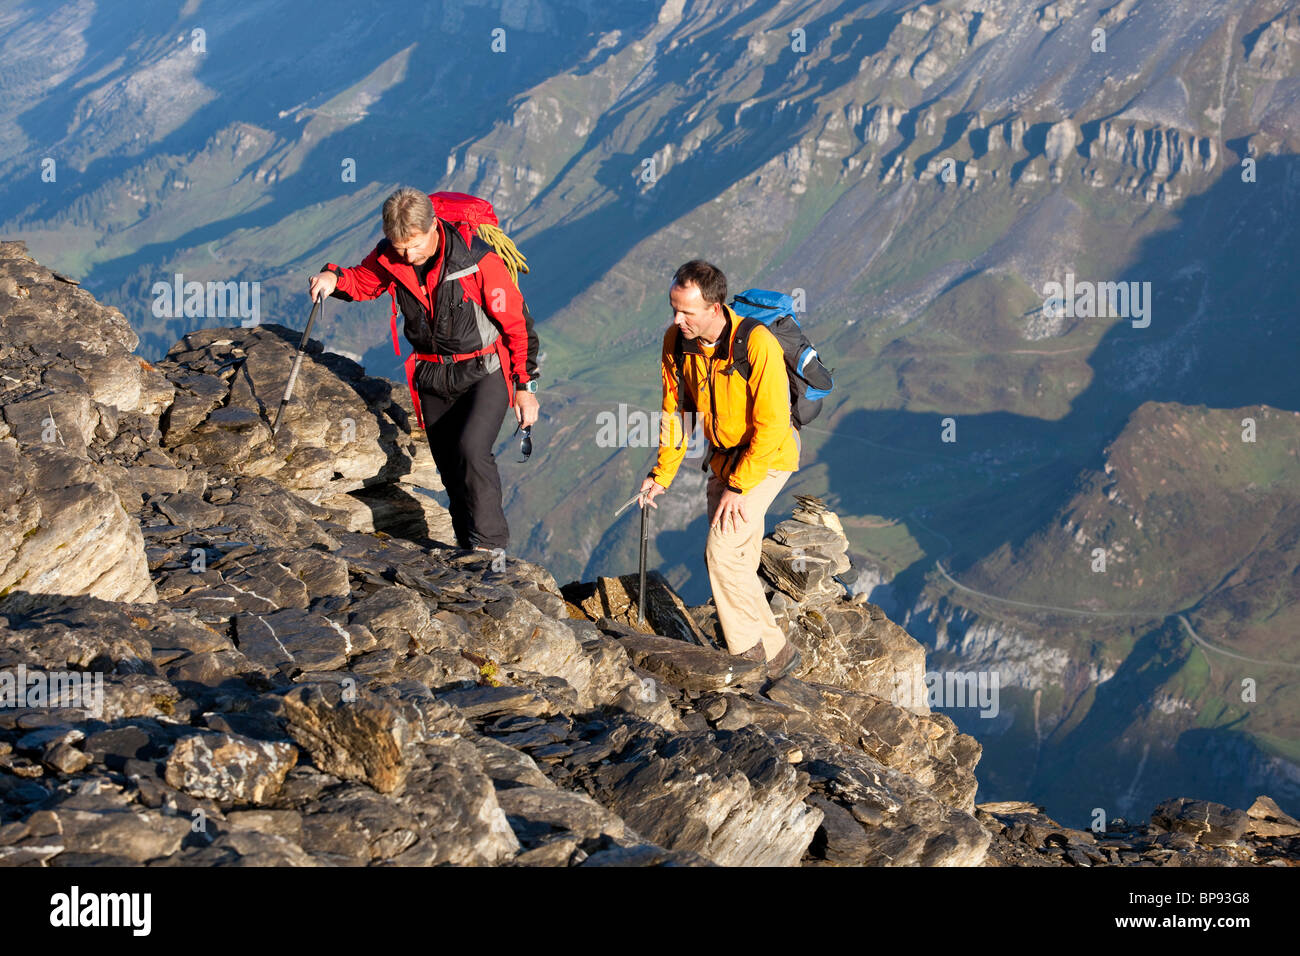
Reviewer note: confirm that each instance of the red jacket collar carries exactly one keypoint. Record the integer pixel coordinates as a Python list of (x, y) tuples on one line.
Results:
[(404, 272)]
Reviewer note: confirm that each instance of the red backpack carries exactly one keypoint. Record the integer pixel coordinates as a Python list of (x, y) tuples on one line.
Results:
[(466, 211)]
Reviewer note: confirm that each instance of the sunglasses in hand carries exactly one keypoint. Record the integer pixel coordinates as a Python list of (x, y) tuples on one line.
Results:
[(525, 443)]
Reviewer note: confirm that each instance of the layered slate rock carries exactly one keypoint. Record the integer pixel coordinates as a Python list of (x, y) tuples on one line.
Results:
[(877, 816), (618, 599), (70, 388), (731, 797), (69, 533), (1180, 832), (845, 641), (228, 767), (344, 441), (257, 649), (1209, 824), (361, 738)]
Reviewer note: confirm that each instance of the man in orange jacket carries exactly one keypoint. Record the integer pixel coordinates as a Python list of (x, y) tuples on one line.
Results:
[(754, 450)]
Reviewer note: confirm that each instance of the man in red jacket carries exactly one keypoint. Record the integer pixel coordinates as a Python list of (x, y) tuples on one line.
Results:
[(475, 350)]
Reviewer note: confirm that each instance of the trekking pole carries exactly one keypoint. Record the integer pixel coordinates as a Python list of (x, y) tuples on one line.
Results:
[(297, 364), (640, 591), (645, 539)]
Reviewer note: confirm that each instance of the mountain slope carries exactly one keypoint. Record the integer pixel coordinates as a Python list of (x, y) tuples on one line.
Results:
[(921, 171)]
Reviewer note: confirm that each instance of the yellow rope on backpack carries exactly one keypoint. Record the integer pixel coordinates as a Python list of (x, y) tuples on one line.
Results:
[(505, 248)]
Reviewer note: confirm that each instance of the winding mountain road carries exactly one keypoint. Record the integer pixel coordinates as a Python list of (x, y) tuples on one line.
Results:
[(1146, 614)]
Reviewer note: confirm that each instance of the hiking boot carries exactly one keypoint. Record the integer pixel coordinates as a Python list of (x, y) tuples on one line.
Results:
[(787, 660), (755, 653)]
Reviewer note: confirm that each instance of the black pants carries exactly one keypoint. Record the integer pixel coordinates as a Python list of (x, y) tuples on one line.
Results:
[(461, 434)]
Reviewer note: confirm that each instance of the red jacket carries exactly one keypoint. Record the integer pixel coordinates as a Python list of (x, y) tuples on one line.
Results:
[(468, 305)]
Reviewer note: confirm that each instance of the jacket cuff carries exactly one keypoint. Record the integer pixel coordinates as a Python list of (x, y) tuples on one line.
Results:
[(338, 272)]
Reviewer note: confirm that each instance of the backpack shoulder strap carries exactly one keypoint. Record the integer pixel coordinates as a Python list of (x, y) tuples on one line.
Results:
[(740, 346), (679, 362)]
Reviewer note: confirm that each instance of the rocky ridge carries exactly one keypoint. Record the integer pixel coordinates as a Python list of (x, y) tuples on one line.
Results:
[(298, 669)]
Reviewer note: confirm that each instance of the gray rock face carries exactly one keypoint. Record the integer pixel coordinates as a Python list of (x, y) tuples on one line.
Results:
[(1181, 832), (689, 667), (855, 646), (884, 817), (928, 749), (360, 739), (1209, 824), (617, 599), (228, 768), (246, 649), (731, 797), (1267, 819), (68, 533), (342, 432), (844, 641)]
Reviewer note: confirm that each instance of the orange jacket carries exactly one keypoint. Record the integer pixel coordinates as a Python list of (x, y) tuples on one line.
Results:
[(753, 413)]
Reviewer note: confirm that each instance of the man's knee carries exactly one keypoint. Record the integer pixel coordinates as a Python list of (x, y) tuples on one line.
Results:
[(724, 553), (475, 452)]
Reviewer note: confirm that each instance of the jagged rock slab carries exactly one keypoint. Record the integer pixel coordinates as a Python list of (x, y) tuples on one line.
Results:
[(899, 823), (295, 640), (927, 748), (361, 739), (342, 432), (68, 330), (446, 812), (732, 797), (400, 511), (856, 647), (645, 855), (518, 637), (97, 819), (689, 667), (1268, 820), (617, 599), (803, 575), (229, 768), (537, 814), (493, 701), (1210, 824), (65, 531)]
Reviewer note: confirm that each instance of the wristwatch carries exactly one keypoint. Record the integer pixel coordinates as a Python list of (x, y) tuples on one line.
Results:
[(528, 386)]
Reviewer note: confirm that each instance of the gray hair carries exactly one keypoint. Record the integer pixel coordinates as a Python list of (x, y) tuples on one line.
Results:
[(406, 212)]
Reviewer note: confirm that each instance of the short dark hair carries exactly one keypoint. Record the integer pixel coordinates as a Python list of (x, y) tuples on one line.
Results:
[(708, 277)]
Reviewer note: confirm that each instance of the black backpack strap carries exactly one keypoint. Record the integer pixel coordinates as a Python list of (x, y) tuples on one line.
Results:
[(740, 347), (679, 362), (740, 358), (685, 405)]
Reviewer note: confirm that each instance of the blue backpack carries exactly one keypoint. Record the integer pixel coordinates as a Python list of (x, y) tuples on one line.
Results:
[(810, 380)]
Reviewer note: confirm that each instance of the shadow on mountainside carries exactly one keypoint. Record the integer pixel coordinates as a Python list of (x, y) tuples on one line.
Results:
[(1221, 336)]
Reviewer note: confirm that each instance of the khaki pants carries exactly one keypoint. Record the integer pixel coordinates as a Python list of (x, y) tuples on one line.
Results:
[(733, 558)]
